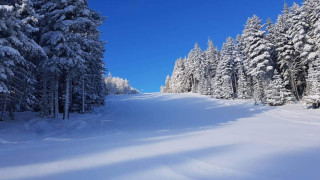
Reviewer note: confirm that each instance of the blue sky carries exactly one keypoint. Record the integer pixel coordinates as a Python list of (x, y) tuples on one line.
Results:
[(145, 37)]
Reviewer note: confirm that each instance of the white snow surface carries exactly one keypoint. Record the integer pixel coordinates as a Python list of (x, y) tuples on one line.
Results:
[(165, 136)]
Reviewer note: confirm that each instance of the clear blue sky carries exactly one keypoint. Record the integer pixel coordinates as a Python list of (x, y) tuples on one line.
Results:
[(145, 37)]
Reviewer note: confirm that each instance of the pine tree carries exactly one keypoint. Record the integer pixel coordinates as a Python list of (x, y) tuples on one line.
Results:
[(209, 68), (257, 61), (287, 59), (249, 68), (314, 78), (32, 51), (312, 10), (166, 88), (179, 83), (276, 93), (116, 85), (244, 89), (193, 65), (21, 52), (224, 87), (9, 57), (212, 58), (71, 39)]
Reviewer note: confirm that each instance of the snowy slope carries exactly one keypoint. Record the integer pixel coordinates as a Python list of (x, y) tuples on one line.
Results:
[(166, 136)]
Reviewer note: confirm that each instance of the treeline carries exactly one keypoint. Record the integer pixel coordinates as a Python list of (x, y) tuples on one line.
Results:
[(116, 85), (272, 63), (50, 57)]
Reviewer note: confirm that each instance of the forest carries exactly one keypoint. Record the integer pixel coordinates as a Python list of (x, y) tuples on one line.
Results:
[(272, 63), (51, 57)]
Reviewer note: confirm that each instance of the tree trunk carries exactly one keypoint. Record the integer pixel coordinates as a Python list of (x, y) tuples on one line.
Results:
[(51, 101), (66, 104), (71, 99), (295, 88), (44, 104), (83, 96), (4, 109), (233, 85), (11, 112), (56, 97)]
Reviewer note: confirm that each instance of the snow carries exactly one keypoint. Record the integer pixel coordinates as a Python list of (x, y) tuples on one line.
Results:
[(6, 7), (165, 136)]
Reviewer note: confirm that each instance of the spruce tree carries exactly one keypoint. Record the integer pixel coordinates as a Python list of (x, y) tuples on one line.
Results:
[(223, 88), (193, 65), (71, 39), (19, 55), (276, 93), (243, 89), (179, 78), (287, 57), (257, 61)]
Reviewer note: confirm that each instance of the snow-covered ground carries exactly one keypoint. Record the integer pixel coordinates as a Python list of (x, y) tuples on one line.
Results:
[(165, 136)]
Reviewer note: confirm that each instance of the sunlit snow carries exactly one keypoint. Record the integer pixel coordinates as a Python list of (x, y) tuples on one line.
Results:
[(162, 136)]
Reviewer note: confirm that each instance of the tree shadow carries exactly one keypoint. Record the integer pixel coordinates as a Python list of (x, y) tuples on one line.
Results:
[(290, 165), (141, 165)]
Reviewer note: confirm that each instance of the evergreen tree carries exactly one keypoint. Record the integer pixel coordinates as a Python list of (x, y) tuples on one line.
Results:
[(244, 89), (287, 58), (179, 83), (116, 85), (166, 88), (9, 57), (31, 50), (223, 88), (257, 61), (19, 53), (193, 63), (276, 93), (212, 59), (209, 68), (256, 50), (314, 78), (312, 9), (249, 68), (70, 37)]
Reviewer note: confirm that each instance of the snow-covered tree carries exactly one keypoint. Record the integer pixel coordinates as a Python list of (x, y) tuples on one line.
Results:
[(224, 86), (179, 81), (166, 88), (287, 58), (208, 68), (313, 87), (257, 61), (70, 38), (116, 85), (212, 59), (19, 54), (299, 31), (249, 67), (193, 69), (256, 50), (314, 78), (276, 93), (31, 50), (312, 10), (9, 56), (244, 88)]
